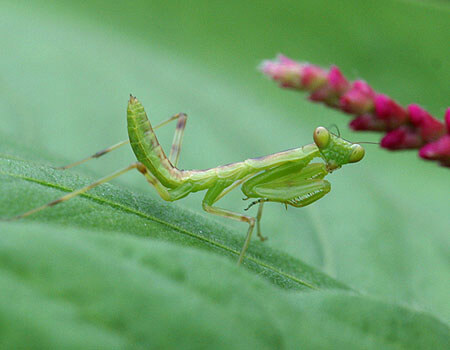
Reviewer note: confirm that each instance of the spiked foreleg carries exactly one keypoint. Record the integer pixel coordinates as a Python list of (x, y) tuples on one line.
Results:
[(290, 185), (212, 197)]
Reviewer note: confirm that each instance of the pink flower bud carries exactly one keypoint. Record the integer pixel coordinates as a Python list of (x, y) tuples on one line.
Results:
[(295, 75), (404, 137), (388, 110), (331, 92), (359, 99), (430, 128), (368, 122), (337, 81), (313, 77), (438, 150)]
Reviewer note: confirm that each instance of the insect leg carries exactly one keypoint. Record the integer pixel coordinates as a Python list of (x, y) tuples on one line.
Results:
[(258, 221), (233, 186), (95, 155), (290, 184), (177, 138), (125, 142), (171, 194), (258, 217), (211, 197), (73, 194)]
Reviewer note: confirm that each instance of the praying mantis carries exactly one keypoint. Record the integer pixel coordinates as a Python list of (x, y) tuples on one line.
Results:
[(288, 177)]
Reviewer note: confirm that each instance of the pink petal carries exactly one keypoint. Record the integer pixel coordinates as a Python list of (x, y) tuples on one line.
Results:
[(368, 122), (404, 137), (359, 99), (430, 128)]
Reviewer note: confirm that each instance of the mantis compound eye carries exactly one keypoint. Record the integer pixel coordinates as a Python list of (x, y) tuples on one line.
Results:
[(321, 137), (357, 154)]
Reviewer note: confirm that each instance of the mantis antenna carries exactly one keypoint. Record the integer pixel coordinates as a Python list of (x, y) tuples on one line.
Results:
[(337, 129)]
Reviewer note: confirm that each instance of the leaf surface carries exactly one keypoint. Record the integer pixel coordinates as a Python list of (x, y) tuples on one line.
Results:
[(374, 250), (75, 289)]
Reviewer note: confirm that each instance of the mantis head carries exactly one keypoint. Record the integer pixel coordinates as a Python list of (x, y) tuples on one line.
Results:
[(335, 150)]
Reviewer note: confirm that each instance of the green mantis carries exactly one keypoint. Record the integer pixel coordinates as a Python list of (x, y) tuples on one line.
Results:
[(288, 177)]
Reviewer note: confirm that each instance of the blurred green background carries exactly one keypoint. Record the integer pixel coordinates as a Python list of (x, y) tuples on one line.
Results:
[(68, 67)]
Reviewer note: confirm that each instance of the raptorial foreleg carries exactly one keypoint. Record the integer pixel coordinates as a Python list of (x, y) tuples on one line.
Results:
[(289, 184)]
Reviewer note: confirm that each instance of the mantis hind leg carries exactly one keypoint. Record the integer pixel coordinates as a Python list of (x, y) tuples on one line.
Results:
[(174, 152), (95, 155), (76, 193), (211, 197), (162, 191)]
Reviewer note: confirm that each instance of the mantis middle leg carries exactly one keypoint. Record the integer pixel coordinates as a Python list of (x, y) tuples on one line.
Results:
[(211, 197)]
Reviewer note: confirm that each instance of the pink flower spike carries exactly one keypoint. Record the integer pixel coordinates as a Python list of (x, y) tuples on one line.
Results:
[(390, 111), (404, 137), (359, 99), (430, 128), (438, 150), (295, 75), (368, 122)]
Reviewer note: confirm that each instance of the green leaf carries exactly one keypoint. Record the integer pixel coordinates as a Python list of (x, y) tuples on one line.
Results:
[(375, 248), (62, 288)]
